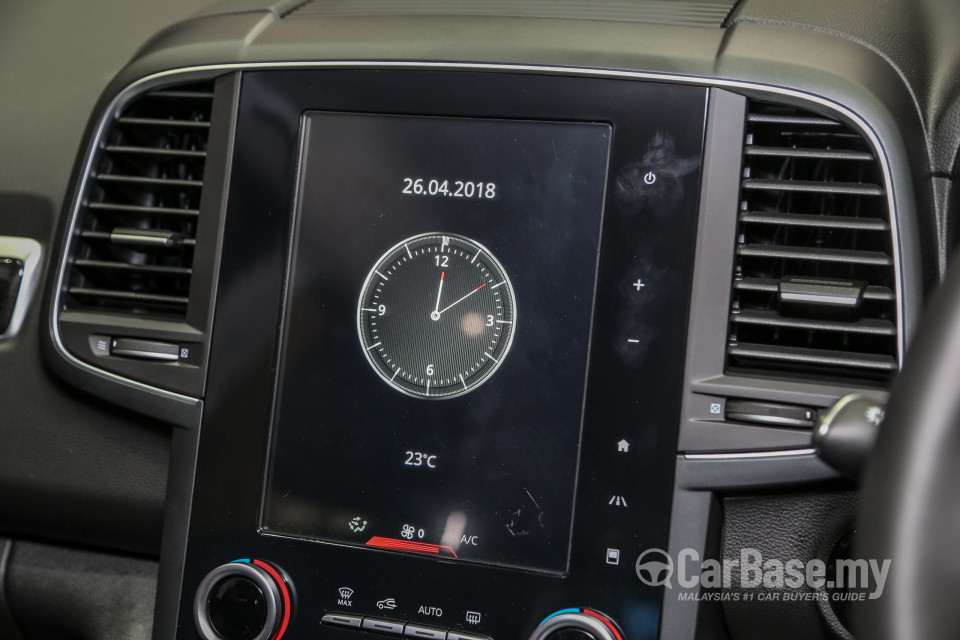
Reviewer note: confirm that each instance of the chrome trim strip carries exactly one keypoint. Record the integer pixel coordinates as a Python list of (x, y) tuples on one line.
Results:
[(28, 251), (146, 356), (750, 455), (208, 71)]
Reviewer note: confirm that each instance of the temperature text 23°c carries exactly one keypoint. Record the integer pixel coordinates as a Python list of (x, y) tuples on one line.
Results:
[(420, 459)]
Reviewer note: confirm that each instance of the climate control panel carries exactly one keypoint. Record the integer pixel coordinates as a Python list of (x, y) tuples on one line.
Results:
[(250, 599)]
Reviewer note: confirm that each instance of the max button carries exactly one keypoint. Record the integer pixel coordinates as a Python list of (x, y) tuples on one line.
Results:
[(340, 620)]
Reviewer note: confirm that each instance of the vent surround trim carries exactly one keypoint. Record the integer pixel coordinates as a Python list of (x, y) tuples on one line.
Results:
[(87, 178), (208, 72)]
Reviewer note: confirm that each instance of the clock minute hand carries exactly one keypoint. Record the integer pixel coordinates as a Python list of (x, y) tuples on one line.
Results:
[(463, 298)]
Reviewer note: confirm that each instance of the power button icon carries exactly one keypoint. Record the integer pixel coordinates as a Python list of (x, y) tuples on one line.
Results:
[(649, 177)]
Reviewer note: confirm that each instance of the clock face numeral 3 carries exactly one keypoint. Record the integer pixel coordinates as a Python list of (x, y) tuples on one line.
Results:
[(436, 315)]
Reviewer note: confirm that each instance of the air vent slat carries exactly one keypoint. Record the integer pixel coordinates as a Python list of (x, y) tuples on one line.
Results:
[(152, 151), (167, 183), (767, 285), (809, 186), (814, 292), (815, 221), (183, 95), (812, 253), (123, 266), (136, 231), (159, 122), (792, 119), (129, 295), (816, 154), (134, 209), (866, 326), (815, 356)]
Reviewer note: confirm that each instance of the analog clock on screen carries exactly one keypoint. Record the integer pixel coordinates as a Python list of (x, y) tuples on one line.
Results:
[(436, 315)]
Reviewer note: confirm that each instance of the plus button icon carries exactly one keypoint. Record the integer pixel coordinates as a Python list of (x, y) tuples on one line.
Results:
[(639, 284)]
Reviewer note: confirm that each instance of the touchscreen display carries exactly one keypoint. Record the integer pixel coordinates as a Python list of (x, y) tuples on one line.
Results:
[(436, 334)]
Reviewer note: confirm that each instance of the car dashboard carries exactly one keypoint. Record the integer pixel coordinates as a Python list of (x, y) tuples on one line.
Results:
[(456, 321)]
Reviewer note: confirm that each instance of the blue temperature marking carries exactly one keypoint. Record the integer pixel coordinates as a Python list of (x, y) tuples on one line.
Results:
[(556, 613), (247, 560)]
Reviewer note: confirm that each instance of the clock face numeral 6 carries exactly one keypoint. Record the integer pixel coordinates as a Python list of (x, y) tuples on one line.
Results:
[(436, 315)]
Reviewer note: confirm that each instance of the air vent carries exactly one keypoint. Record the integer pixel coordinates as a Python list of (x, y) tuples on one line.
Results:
[(814, 288), (136, 229)]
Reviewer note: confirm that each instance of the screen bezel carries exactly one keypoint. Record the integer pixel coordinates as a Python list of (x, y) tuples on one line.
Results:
[(238, 403)]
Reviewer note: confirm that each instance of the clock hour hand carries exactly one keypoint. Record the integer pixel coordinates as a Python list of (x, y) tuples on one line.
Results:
[(435, 314)]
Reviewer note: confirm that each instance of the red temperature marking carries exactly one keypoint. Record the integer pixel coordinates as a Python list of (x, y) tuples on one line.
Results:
[(284, 593), (408, 545), (607, 623)]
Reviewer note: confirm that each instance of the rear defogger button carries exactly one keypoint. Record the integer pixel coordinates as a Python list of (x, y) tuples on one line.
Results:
[(456, 635)]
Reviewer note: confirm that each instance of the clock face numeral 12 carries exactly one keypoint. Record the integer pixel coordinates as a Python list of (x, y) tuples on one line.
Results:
[(436, 315)]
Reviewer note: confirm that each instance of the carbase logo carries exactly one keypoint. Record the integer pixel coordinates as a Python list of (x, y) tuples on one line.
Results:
[(656, 568)]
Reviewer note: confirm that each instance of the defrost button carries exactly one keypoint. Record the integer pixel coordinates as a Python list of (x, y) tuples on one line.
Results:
[(342, 620)]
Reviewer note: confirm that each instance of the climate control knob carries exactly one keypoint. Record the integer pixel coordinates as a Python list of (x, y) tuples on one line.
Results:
[(243, 600), (576, 624)]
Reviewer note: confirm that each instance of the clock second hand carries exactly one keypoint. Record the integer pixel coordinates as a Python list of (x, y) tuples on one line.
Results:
[(463, 298), (435, 314)]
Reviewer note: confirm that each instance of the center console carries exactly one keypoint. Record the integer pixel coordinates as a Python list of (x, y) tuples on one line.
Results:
[(445, 375)]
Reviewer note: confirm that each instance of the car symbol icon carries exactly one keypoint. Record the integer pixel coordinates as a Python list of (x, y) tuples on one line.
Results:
[(389, 603)]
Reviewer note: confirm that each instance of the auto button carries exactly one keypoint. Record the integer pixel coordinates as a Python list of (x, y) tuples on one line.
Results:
[(424, 633)]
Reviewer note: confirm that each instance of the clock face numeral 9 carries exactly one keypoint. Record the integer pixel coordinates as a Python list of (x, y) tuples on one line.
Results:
[(436, 315)]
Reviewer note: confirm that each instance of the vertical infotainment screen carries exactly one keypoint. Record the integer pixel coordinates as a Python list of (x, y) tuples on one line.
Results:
[(436, 334)]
